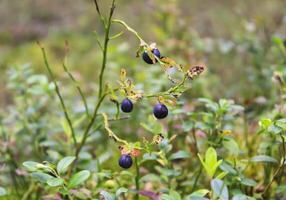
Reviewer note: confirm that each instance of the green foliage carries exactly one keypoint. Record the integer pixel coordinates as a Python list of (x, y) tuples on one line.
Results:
[(62, 131), (210, 161)]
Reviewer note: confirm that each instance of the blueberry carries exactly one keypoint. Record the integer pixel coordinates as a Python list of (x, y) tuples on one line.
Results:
[(146, 57), (126, 105), (125, 161), (160, 111)]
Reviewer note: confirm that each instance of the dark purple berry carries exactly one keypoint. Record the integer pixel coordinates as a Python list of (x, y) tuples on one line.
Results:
[(126, 105), (160, 111), (125, 161), (147, 59)]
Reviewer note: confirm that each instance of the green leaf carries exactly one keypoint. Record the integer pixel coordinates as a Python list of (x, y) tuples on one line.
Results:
[(263, 158), (281, 123), (64, 163), (240, 197), (227, 168), (2, 191), (221, 175), (54, 182), (78, 178), (248, 182), (66, 127), (265, 123), (31, 165), (150, 178), (173, 195), (180, 155), (231, 145), (106, 195), (200, 193), (210, 163), (41, 177), (274, 129), (277, 40), (219, 189), (149, 156), (211, 157), (120, 191)]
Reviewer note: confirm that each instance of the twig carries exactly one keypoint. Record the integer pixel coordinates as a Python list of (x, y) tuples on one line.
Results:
[(170, 91), (78, 89), (106, 40), (281, 166), (101, 96), (86, 132), (130, 29), (98, 12), (137, 177), (58, 93), (110, 132)]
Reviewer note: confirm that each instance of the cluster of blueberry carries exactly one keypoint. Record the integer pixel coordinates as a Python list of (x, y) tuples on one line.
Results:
[(160, 110)]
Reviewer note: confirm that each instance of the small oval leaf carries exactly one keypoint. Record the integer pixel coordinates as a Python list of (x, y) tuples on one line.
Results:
[(263, 158), (64, 163), (31, 165), (179, 155), (54, 182), (78, 178)]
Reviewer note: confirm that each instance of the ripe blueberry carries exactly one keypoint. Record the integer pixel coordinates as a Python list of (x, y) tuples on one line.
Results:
[(125, 161), (126, 105), (160, 111), (146, 57)]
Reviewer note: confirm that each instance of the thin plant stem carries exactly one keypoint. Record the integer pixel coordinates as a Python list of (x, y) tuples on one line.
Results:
[(110, 132), (101, 96), (58, 93), (280, 168), (130, 29), (78, 89), (137, 177), (89, 126), (105, 47), (170, 91)]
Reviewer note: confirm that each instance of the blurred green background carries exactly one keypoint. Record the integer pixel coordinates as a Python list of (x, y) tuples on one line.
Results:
[(233, 38)]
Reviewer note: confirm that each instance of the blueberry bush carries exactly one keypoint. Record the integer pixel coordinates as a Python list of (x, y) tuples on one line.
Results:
[(162, 134)]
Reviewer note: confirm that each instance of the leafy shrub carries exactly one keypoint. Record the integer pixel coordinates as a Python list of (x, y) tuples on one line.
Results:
[(203, 149)]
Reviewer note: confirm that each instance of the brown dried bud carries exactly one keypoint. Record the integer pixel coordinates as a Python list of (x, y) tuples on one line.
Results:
[(195, 71)]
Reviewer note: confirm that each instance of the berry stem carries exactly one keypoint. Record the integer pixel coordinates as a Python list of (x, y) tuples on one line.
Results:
[(110, 132), (169, 91), (142, 42)]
